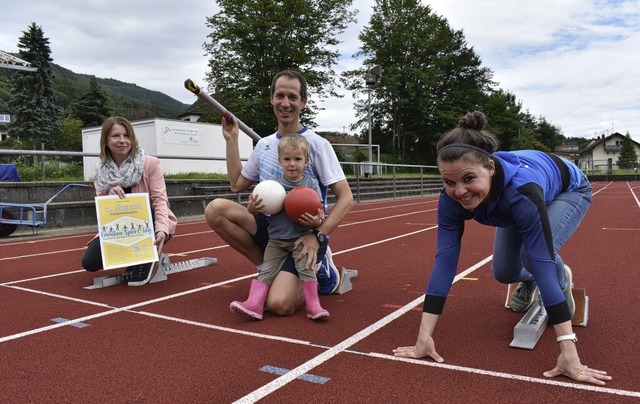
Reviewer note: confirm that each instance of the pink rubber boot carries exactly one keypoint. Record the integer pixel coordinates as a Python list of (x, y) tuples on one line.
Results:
[(310, 291), (254, 305)]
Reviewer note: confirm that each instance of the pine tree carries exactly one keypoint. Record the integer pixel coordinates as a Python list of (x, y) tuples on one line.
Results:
[(35, 105), (92, 108), (628, 156)]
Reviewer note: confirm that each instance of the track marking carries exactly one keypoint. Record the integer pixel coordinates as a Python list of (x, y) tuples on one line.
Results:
[(333, 351), (108, 312), (509, 376), (41, 277), (342, 346), (84, 248), (634, 195), (384, 240), (128, 308), (306, 377), (63, 320), (397, 306), (394, 207), (17, 257), (386, 218)]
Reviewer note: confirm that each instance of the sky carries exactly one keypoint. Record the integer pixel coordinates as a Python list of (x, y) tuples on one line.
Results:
[(574, 62)]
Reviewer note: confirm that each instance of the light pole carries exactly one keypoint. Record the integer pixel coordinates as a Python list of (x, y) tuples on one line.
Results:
[(371, 80)]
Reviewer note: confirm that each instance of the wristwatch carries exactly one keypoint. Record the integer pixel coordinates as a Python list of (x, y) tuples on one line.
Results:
[(320, 236)]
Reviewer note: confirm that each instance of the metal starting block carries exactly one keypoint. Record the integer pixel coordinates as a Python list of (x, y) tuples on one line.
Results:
[(345, 280), (162, 269), (530, 328)]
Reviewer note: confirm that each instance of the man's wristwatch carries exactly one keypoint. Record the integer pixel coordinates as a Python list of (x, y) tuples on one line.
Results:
[(320, 236)]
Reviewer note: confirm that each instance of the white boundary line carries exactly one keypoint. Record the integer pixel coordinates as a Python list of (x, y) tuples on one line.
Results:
[(342, 347), (634, 195), (109, 312), (503, 375)]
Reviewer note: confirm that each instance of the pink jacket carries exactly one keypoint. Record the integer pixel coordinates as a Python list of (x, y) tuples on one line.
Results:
[(152, 182)]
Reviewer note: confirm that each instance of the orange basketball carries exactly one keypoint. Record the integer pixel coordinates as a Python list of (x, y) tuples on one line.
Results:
[(301, 200)]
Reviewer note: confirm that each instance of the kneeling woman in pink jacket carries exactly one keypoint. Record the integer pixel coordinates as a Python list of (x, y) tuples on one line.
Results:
[(124, 168)]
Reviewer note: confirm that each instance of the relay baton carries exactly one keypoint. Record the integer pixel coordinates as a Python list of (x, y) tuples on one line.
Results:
[(194, 88)]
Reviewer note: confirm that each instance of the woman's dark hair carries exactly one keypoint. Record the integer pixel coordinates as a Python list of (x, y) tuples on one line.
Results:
[(469, 137)]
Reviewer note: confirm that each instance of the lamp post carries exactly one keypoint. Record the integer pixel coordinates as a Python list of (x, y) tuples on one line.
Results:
[(371, 80)]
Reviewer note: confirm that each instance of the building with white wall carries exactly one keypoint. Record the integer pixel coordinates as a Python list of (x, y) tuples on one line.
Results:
[(173, 138), (603, 152)]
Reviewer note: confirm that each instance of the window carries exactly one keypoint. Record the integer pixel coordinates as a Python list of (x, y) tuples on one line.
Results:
[(5, 118)]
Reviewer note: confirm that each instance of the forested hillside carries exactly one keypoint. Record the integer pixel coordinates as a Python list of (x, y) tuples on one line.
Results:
[(125, 99)]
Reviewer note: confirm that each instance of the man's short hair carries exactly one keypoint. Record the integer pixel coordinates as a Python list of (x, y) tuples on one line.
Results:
[(292, 74)]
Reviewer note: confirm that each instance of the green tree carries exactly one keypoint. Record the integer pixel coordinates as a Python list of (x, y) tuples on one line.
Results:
[(35, 107), (252, 40), (431, 77), (92, 107), (504, 115), (527, 140), (548, 134), (70, 138), (628, 156)]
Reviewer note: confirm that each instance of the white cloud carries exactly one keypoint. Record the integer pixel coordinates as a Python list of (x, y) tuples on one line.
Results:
[(572, 61)]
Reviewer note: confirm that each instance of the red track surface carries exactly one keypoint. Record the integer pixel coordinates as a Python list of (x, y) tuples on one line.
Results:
[(177, 341)]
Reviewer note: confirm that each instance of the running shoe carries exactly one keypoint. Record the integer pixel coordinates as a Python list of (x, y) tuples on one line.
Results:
[(141, 274), (524, 296), (567, 290), (328, 275)]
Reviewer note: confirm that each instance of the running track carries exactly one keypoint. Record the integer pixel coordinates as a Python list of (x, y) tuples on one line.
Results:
[(177, 341)]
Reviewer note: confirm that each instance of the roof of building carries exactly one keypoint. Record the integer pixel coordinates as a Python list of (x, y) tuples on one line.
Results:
[(599, 140), (11, 62)]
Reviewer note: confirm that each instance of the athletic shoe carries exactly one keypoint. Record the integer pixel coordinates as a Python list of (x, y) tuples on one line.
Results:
[(328, 275), (141, 274), (524, 296), (567, 290)]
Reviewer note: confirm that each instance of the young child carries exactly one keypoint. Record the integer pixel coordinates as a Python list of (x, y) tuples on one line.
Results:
[(293, 156)]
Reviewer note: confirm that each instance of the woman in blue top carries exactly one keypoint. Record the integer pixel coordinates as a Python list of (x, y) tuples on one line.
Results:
[(536, 201)]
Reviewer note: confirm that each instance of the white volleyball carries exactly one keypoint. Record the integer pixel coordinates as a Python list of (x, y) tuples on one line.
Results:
[(272, 194)]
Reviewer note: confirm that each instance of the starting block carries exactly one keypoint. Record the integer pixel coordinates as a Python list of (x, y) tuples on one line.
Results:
[(345, 280), (530, 328), (161, 270)]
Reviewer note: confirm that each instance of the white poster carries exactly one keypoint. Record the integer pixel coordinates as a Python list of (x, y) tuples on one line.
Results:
[(184, 136)]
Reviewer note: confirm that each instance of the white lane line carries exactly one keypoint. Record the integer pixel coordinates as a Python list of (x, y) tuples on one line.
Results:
[(633, 193), (510, 376), (386, 217), (341, 347), (84, 248), (420, 362), (109, 312)]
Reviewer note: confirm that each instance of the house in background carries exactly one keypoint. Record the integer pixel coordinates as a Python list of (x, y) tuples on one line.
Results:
[(603, 152), (5, 118), (569, 151)]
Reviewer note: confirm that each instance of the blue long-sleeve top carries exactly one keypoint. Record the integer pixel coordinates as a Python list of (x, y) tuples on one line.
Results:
[(524, 183)]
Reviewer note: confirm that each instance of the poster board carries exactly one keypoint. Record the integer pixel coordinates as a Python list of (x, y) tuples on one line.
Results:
[(126, 232)]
